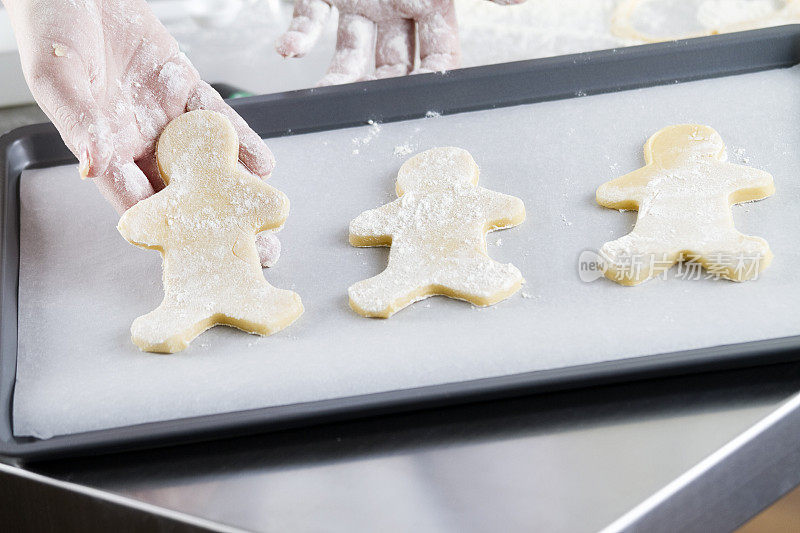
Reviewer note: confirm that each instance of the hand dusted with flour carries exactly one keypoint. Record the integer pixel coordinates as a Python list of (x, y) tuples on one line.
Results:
[(684, 195), (387, 30), (204, 224), (110, 77), (437, 230)]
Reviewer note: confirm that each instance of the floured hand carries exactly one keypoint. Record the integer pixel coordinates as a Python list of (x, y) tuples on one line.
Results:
[(384, 29), (110, 77)]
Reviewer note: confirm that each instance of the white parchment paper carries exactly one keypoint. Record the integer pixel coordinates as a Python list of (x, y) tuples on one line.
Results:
[(81, 284)]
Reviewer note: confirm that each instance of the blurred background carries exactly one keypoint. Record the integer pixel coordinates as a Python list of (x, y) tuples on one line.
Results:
[(232, 41)]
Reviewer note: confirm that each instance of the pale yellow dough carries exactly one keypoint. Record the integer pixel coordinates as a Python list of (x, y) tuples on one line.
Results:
[(437, 233), (684, 195), (204, 224)]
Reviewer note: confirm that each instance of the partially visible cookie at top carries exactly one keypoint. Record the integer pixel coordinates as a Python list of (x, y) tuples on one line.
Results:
[(437, 233), (684, 195), (204, 223)]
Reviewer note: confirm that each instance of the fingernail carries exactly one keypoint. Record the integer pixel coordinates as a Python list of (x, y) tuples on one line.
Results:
[(85, 164)]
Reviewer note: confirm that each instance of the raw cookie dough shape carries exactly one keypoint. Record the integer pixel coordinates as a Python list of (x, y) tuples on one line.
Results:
[(684, 195), (437, 233), (204, 223)]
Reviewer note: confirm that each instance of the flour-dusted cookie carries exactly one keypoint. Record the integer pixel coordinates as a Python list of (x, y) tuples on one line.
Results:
[(437, 230), (684, 195), (204, 223)]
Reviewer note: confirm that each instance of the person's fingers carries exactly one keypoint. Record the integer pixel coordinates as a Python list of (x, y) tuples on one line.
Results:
[(354, 49), (269, 248), (294, 44), (307, 23), (123, 185), (336, 78), (253, 153), (439, 48), (56, 60), (61, 86), (395, 48), (93, 140), (149, 167)]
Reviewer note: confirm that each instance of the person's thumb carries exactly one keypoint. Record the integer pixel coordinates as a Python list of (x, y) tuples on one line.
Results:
[(92, 142)]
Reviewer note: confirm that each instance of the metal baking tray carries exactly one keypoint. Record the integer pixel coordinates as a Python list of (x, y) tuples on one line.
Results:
[(385, 101)]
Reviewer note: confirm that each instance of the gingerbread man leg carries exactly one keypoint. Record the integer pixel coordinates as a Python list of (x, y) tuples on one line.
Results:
[(634, 258), (170, 327), (383, 295), (263, 309), (751, 256), (479, 280)]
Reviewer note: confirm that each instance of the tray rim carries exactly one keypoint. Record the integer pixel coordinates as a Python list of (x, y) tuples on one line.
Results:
[(391, 100)]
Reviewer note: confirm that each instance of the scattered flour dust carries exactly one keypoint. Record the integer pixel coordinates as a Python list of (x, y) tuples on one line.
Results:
[(172, 77), (374, 130), (402, 150), (657, 20), (491, 33), (721, 13), (407, 148), (740, 156), (495, 34)]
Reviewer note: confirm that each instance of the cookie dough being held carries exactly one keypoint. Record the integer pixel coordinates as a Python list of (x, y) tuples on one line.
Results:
[(204, 223), (437, 233), (684, 195)]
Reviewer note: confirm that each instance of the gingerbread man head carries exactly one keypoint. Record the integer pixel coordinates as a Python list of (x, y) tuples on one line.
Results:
[(676, 143), (195, 146), (437, 169)]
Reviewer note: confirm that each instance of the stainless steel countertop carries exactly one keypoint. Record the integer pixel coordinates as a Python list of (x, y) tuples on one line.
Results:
[(568, 461)]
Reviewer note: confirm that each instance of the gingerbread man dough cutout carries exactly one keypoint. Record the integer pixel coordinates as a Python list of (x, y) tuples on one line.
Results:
[(437, 233), (684, 195), (204, 223)]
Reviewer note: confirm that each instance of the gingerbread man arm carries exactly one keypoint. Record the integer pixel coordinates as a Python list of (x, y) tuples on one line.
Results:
[(500, 210), (375, 227), (145, 224), (625, 192), (747, 183), (264, 206)]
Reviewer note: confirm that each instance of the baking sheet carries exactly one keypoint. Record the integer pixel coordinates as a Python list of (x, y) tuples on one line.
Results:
[(81, 284)]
